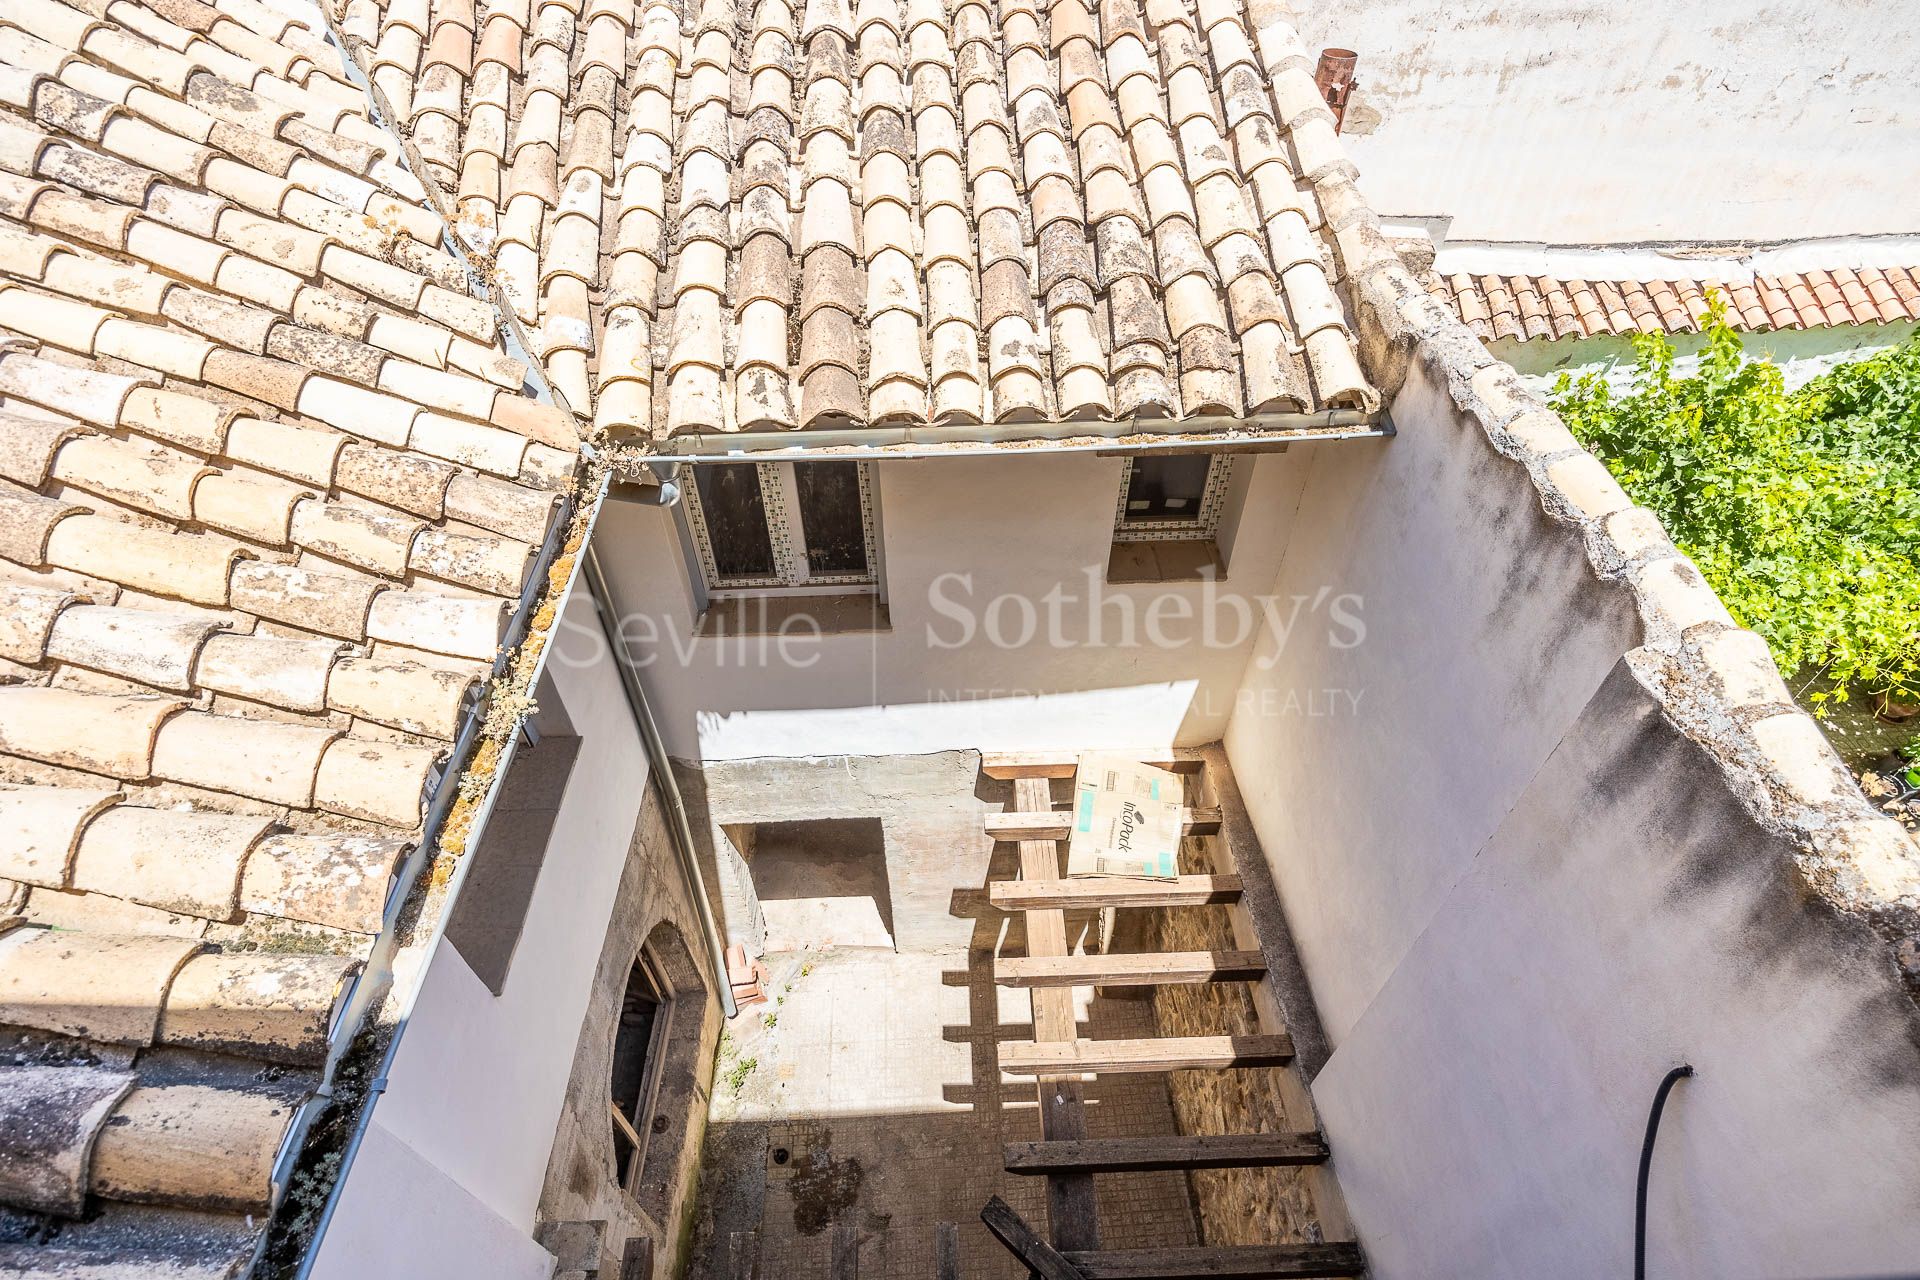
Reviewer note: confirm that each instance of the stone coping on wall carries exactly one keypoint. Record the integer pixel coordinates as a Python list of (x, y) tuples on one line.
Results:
[(1715, 681)]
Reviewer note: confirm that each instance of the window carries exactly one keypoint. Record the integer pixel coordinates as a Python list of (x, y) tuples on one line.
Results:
[(793, 526), (1168, 517), (636, 1041)]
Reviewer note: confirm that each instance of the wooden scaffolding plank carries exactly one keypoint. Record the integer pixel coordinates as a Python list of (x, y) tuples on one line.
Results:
[(1143, 1155), (1112, 891), (1152, 969), (1058, 825), (1071, 1210), (1013, 765), (1220, 1262), (1168, 1053), (1009, 1228)]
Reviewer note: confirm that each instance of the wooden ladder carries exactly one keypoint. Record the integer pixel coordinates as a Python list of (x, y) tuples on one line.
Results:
[(1058, 1057)]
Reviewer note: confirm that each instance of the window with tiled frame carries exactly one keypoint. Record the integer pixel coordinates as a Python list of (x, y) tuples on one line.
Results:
[(1166, 520), (785, 526)]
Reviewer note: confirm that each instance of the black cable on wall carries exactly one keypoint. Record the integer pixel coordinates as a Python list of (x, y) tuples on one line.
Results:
[(1673, 1077)]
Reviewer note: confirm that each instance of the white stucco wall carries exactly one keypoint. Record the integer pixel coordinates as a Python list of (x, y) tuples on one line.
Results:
[(1484, 637), (1577, 123), (1521, 895), (476, 1089), (1023, 526), (1487, 1109)]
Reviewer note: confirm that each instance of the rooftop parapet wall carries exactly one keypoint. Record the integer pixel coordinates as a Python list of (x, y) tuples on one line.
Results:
[(1714, 681)]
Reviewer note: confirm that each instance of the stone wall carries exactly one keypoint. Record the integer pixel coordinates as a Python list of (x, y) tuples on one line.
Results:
[(1231, 1206), (582, 1181)]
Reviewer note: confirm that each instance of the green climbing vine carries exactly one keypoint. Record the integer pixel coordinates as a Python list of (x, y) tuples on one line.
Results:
[(1801, 508)]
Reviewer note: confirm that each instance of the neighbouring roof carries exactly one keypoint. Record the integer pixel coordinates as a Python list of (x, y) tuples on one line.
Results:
[(270, 490), (1525, 307), (769, 214)]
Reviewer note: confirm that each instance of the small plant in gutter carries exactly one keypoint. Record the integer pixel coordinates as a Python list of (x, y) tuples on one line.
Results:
[(1801, 508)]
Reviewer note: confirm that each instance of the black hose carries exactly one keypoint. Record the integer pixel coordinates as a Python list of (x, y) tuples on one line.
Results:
[(1646, 1166)]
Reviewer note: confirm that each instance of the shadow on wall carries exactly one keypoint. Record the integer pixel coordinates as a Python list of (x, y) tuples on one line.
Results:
[(488, 916)]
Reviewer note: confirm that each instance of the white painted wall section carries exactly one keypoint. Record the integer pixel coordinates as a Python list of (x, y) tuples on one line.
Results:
[(1522, 894), (1802, 355), (400, 1216), (1004, 633), (1576, 123)]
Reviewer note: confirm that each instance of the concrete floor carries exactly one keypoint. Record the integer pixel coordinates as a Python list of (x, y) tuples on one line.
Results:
[(873, 1073)]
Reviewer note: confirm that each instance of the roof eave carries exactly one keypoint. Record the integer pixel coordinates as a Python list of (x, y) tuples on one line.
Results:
[(1256, 433)]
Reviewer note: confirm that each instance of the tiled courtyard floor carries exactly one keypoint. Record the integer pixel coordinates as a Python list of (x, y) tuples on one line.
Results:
[(872, 1098)]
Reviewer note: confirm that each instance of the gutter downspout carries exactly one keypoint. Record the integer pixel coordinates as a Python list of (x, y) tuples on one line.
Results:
[(678, 827)]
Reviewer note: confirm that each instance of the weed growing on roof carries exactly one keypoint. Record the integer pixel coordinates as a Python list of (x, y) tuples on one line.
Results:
[(307, 1194), (737, 1074), (1801, 508)]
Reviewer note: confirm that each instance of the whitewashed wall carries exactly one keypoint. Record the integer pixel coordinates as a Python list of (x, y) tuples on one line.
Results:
[(1021, 526), (1578, 123), (448, 1182), (1522, 894)]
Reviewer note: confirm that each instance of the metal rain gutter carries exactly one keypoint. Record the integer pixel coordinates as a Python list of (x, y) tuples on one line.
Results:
[(1271, 431)]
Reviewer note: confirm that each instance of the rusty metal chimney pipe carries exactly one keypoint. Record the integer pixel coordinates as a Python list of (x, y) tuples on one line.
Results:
[(1334, 76)]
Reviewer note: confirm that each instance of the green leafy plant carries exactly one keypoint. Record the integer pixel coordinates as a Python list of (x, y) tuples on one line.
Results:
[(737, 1074), (1801, 508)]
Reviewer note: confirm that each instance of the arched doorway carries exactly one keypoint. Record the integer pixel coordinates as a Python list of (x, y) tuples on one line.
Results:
[(653, 1082)]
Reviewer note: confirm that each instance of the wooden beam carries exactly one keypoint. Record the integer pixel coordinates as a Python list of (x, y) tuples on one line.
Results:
[(1072, 1213), (1011, 1229), (1146, 1155), (1087, 892), (1170, 1053), (1008, 766), (625, 1125), (1058, 826), (1221, 1262), (1152, 969)]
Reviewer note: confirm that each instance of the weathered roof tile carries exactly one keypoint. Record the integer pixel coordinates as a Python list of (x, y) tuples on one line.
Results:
[(1525, 308)]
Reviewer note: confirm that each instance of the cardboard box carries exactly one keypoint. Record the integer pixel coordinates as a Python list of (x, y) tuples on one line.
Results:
[(1126, 820)]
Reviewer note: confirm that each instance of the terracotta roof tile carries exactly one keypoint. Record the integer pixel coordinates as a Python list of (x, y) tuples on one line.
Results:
[(1528, 307), (885, 147), (251, 412)]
